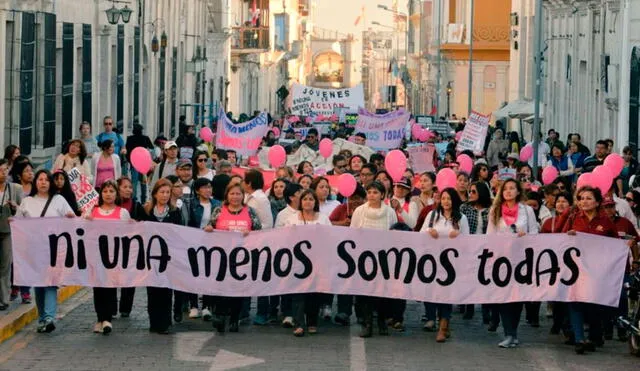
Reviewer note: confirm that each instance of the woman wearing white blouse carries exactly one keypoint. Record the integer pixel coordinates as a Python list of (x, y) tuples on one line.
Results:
[(444, 222), (510, 215), (307, 305), (374, 214), (321, 187), (44, 202)]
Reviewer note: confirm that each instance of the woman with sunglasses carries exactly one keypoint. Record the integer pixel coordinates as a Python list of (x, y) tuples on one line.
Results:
[(306, 306), (589, 218), (374, 214), (200, 169), (44, 202), (477, 212), (160, 210), (509, 214), (234, 215), (446, 221), (105, 297)]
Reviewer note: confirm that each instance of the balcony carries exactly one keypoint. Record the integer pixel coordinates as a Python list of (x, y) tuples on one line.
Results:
[(249, 40)]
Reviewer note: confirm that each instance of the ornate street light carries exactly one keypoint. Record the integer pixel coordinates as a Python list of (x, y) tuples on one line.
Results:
[(113, 15), (155, 45), (164, 40), (126, 14)]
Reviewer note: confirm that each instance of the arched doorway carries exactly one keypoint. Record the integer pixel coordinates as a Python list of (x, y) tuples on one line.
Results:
[(634, 98)]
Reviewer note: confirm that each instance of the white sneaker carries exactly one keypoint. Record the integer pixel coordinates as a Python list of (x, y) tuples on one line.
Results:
[(206, 314), (516, 342), (507, 343), (106, 327), (97, 328), (287, 322), (326, 312), (194, 313)]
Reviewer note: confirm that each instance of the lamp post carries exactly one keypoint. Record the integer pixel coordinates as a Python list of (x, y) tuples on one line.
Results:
[(114, 14), (449, 90)]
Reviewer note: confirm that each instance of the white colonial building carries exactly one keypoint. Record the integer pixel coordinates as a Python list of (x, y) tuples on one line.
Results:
[(65, 62), (592, 69)]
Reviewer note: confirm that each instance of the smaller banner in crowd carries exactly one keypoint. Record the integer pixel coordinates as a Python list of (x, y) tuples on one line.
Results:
[(474, 133), (469, 269), (421, 157), (244, 137), (86, 195), (384, 132), (310, 101)]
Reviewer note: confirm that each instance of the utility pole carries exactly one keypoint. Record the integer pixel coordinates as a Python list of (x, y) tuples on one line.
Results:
[(439, 59), (469, 102), (538, 78)]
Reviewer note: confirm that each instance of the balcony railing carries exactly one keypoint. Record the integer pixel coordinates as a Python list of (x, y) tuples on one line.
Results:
[(249, 38)]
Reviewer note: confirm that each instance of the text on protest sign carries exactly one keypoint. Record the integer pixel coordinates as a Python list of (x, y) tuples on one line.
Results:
[(86, 195), (474, 133), (245, 137), (384, 131), (310, 101), (421, 157), (325, 259)]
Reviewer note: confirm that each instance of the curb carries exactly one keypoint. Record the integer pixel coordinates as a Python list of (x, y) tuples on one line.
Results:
[(25, 314)]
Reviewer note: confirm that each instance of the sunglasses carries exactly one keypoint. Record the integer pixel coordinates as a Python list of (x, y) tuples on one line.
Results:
[(629, 199), (473, 191), (202, 160), (366, 174), (108, 124)]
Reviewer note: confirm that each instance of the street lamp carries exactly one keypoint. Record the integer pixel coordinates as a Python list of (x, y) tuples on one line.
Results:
[(113, 13), (449, 90)]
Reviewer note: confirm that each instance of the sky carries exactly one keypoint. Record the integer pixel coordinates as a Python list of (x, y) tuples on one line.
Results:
[(341, 14)]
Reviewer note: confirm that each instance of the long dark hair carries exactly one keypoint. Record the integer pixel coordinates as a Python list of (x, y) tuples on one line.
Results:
[(475, 172), (316, 206), (9, 151), (107, 184), (456, 202), (34, 187), (66, 190), (194, 161), (484, 195), (82, 154)]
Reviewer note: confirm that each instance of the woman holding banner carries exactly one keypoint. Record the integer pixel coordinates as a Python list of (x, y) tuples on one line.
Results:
[(589, 218), (44, 202), (448, 222), (374, 214), (105, 297), (136, 211), (160, 210), (307, 305), (509, 214), (234, 216)]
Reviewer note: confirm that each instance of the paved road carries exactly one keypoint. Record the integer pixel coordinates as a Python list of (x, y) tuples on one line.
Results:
[(195, 347)]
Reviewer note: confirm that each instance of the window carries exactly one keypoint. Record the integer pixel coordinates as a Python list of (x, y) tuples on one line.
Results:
[(281, 32)]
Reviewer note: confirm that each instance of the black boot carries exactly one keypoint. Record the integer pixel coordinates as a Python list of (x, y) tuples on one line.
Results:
[(382, 327)]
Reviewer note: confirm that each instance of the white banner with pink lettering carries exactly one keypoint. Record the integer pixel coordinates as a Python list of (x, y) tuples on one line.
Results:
[(327, 259), (244, 137)]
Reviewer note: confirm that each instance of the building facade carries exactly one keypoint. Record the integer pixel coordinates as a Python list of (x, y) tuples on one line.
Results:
[(66, 63), (592, 69)]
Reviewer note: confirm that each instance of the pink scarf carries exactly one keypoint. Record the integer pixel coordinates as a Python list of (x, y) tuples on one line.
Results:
[(509, 214)]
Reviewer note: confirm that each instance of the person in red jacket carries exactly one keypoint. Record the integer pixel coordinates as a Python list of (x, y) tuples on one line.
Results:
[(589, 218), (627, 231)]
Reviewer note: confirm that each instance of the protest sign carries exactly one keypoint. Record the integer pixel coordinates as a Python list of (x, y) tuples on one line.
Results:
[(421, 157), (506, 173), (442, 149), (350, 119), (424, 121), (384, 132), (474, 133), (310, 101), (86, 195), (468, 269), (442, 127), (245, 137)]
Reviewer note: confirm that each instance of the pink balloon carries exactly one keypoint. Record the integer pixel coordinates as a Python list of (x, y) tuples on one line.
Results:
[(549, 174), (277, 156), (276, 131), (526, 153), (206, 134), (602, 178), (458, 136), (615, 163), (466, 163), (426, 134), (416, 131), (584, 180), (446, 178), (395, 163), (141, 160), (326, 147), (346, 184)]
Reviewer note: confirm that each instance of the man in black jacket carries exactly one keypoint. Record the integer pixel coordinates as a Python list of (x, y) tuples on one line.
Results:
[(134, 141)]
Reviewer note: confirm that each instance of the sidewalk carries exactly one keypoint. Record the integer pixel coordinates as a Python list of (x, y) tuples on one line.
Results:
[(19, 315)]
